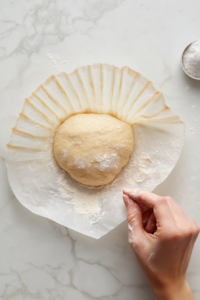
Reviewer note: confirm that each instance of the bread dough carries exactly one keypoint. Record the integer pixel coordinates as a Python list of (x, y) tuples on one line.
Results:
[(93, 148)]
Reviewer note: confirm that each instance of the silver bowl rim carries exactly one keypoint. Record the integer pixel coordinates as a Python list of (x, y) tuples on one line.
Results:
[(196, 78)]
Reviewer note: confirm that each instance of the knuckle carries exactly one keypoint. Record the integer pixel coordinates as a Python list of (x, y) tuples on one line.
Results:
[(189, 232), (136, 246), (132, 241), (130, 217), (169, 199), (175, 235), (135, 242), (172, 234), (162, 200), (197, 229)]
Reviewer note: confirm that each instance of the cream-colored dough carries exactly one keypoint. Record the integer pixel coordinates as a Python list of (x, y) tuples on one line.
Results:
[(93, 148)]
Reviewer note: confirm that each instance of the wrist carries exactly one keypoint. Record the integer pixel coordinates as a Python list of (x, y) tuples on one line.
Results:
[(174, 291)]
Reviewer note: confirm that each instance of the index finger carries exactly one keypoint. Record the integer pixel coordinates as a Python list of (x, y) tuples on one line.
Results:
[(159, 205)]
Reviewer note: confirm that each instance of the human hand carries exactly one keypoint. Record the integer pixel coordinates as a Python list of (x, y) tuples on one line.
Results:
[(165, 254)]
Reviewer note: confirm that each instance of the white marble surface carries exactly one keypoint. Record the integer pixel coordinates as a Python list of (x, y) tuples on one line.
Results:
[(38, 258)]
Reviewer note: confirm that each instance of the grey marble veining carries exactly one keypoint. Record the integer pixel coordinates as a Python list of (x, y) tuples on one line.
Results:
[(39, 258)]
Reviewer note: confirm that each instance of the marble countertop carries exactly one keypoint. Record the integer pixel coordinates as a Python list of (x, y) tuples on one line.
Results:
[(39, 258)]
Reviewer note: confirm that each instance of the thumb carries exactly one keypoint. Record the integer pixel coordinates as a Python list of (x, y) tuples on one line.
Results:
[(134, 218)]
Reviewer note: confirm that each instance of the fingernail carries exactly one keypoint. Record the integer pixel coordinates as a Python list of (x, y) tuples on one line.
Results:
[(132, 192), (127, 200), (127, 191)]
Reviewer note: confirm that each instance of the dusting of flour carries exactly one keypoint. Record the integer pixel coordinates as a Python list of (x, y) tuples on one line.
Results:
[(85, 206), (107, 161), (145, 167), (84, 200)]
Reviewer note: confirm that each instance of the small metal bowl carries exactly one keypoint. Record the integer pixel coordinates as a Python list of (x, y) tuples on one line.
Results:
[(190, 75)]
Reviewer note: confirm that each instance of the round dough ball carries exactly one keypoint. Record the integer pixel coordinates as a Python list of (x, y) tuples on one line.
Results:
[(93, 148)]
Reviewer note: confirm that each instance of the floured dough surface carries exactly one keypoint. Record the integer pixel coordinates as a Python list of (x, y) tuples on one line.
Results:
[(93, 148)]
